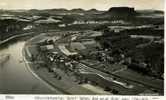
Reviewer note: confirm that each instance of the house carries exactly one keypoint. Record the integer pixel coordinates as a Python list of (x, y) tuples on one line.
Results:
[(66, 51), (47, 47), (77, 46)]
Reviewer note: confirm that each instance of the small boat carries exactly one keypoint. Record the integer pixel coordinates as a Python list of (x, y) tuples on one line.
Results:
[(4, 58)]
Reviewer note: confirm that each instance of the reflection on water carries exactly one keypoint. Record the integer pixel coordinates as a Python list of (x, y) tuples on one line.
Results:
[(14, 75)]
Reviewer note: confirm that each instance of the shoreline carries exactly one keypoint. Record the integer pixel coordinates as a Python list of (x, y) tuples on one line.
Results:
[(14, 37), (36, 75), (20, 35)]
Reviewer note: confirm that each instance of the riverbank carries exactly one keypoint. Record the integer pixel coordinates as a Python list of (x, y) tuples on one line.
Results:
[(14, 37), (29, 65), (25, 34)]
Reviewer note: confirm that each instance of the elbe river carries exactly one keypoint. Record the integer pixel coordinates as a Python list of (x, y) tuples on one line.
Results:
[(16, 78)]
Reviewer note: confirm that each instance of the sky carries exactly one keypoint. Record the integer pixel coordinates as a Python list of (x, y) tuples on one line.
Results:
[(85, 4)]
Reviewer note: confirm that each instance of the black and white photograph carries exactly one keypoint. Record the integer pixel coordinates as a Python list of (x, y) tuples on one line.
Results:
[(82, 47)]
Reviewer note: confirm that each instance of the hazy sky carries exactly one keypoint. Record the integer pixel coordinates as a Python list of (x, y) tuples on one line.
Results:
[(85, 4)]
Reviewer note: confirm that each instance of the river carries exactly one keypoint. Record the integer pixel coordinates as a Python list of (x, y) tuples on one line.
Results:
[(15, 77)]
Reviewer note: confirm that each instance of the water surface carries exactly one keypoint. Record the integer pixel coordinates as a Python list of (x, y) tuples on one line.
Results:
[(15, 77)]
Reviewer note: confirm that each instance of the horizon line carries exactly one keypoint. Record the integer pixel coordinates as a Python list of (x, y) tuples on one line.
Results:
[(76, 8)]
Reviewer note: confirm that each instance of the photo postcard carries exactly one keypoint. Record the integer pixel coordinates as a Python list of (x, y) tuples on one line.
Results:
[(82, 47)]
